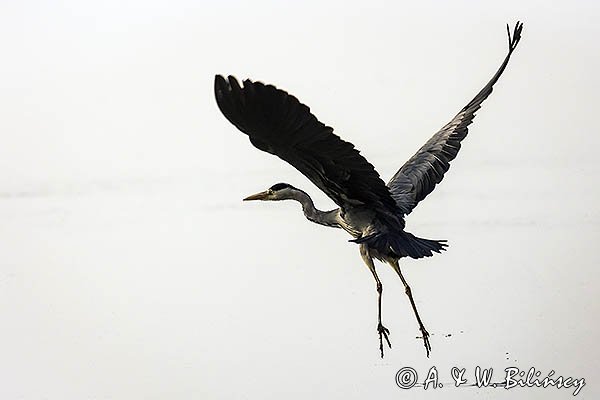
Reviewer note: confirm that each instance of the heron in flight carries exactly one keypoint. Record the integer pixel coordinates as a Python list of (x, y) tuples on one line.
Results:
[(369, 210)]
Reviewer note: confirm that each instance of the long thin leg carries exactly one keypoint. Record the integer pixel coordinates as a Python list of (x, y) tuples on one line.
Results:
[(381, 330), (424, 332)]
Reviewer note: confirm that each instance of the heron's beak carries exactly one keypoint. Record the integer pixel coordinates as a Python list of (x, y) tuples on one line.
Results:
[(258, 196)]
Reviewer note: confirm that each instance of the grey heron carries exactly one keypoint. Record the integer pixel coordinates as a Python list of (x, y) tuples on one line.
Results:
[(372, 212)]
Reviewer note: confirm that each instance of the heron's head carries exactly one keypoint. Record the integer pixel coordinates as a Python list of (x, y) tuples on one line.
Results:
[(279, 191)]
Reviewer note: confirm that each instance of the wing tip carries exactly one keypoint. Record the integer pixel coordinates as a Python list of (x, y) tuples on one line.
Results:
[(221, 87), (516, 36), (230, 84)]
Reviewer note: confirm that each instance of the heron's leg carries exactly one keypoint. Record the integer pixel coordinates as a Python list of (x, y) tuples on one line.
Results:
[(424, 332), (382, 330)]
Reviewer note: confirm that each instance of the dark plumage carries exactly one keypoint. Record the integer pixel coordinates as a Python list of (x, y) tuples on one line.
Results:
[(279, 186), (278, 123), (373, 213)]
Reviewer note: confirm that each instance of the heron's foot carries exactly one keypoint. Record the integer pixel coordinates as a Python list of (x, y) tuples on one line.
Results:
[(383, 333), (425, 337)]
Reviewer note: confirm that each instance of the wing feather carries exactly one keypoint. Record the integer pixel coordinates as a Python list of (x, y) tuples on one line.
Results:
[(276, 122), (423, 171)]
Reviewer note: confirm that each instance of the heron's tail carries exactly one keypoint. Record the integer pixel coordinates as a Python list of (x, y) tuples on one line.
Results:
[(403, 244)]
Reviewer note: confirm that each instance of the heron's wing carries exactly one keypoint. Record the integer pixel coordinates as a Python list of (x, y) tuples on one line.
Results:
[(419, 175), (278, 123)]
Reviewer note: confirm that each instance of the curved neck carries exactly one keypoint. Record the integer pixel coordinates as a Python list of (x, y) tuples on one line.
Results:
[(327, 218)]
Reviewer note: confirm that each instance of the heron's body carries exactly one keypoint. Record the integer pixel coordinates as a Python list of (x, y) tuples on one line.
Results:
[(359, 222), (370, 211)]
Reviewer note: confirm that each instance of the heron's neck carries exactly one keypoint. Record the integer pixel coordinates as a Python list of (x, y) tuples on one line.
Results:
[(327, 218)]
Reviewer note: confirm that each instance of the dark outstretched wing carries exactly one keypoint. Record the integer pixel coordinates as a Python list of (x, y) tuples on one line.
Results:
[(278, 123), (419, 175)]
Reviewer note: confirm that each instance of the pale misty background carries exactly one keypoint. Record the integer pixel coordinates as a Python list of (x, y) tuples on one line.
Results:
[(130, 268)]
